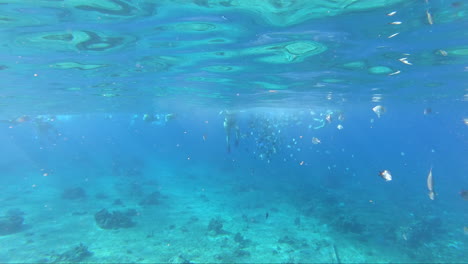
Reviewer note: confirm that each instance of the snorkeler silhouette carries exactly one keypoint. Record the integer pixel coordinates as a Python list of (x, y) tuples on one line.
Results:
[(230, 123), (46, 131)]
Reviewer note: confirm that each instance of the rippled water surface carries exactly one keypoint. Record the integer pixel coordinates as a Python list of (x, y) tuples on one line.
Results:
[(110, 55)]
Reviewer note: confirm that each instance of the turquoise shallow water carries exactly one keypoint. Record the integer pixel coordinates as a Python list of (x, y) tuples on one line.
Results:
[(233, 131)]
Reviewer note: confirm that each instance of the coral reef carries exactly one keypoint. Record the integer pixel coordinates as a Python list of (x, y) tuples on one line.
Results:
[(132, 189), (101, 196), (216, 226), (115, 220), (297, 221), (238, 238), (151, 199), (349, 224), (11, 222), (76, 254), (118, 202), (180, 259), (420, 231), (233, 255), (73, 193), (79, 213), (293, 242), (254, 219), (240, 253), (123, 167)]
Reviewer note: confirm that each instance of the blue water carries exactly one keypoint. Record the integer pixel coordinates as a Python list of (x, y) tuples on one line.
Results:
[(233, 131)]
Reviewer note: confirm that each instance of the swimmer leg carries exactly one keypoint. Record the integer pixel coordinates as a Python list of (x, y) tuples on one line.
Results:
[(237, 136), (228, 146)]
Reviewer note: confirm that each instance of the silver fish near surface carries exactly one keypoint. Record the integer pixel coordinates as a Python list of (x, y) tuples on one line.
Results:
[(378, 110), (429, 18), (393, 35), (341, 117), (405, 61), (430, 185), (328, 118), (385, 174), (315, 141)]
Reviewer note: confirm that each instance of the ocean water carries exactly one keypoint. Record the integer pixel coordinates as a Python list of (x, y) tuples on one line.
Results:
[(233, 131)]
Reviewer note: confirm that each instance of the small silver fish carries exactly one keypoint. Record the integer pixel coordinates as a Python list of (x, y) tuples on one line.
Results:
[(405, 61), (341, 117), (393, 35), (394, 73), (429, 18), (328, 118), (386, 175), (442, 52), (378, 110), (430, 185)]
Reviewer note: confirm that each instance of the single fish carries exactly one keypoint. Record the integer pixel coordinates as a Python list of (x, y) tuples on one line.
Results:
[(405, 61), (429, 18), (385, 175), (328, 118), (393, 35), (430, 185), (442, 52), (378, 110), (315, 141), (392, 13), (341, 117), (464, 195)]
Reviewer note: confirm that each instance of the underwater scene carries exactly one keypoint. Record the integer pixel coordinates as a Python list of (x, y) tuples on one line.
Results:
[(233, 131)]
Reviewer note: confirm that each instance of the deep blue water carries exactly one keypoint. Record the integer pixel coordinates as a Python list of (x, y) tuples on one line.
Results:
[(114, 116)]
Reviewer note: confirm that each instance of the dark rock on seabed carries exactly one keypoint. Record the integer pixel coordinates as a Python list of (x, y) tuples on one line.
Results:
[(115, 220), (74, 255), (74, 193), (12, 222)]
